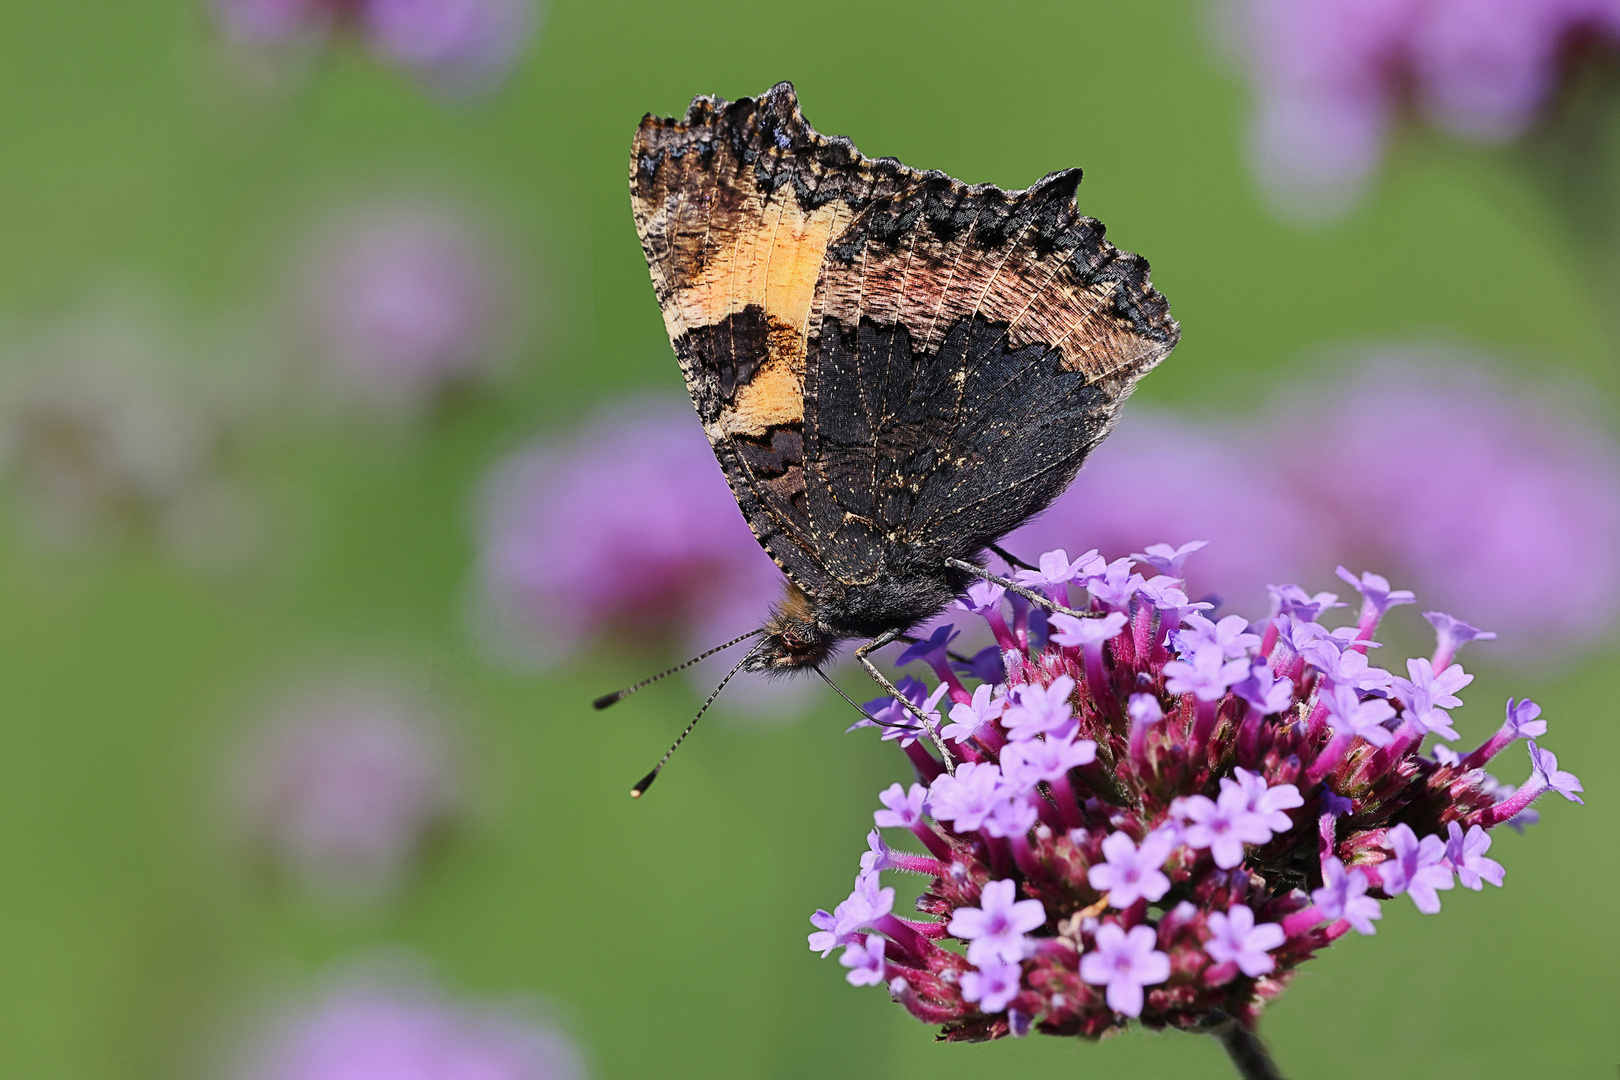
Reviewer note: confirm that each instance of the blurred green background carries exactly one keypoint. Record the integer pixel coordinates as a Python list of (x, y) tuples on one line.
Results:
[(669, 933)]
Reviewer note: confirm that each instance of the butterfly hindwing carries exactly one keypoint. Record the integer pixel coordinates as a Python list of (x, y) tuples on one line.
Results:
[(968, 348)]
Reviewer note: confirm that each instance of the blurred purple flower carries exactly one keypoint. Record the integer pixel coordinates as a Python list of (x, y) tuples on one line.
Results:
[(1512, 493), (342, 786), (1331, 77), (393, 1029), (1508, 481), (407, 301), (107, 432), (457, 48), (631, 529), (274, 22), (1159, 475)]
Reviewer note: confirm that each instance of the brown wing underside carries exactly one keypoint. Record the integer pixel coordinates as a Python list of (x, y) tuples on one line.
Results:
[(772, 246)]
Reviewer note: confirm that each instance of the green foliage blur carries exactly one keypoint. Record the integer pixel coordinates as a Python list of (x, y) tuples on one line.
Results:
[(669, 933)]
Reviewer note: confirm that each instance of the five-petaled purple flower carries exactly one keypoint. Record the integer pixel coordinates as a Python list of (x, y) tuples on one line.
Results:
[(1343, 895), (1466, 854), (1133, 871), (865, 961), (996, 929), (992, 986), (1125, 963), (1223, 825), (1417, 868), (1234, 938), (1565, 783)]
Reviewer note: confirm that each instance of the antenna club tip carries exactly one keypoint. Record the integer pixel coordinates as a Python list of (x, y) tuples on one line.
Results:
[(643, 784), (607, 699), (635, 793)]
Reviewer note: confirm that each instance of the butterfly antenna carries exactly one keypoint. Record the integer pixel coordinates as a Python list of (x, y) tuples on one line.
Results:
[(619, 695), (647, 781), (1011, 559), (860, 708)]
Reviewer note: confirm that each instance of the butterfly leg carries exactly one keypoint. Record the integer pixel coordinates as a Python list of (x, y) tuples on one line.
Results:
[(1013, 587), (889, 637)]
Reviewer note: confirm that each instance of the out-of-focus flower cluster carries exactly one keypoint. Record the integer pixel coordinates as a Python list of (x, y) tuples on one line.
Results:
[(1503, 479), (1332, 77), (342, 785), (455, 47), (405, 301), (630, 530), (1156, 814), (372, 1027), (109, 433)]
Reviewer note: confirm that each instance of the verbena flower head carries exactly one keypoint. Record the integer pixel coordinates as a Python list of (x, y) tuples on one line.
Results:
[(626, 529), (1324, 476), (1332, 76), (109, 432), (1169, 811), (406, 302), (385, 1025), (454, 47), (341, 786)]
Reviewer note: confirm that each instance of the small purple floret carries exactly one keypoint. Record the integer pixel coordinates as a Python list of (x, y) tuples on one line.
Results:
[(1125, 963), (1234, 938), (997, 928)]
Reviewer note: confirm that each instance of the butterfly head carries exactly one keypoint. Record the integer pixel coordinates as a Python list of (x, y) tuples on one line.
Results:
[(794, 638)]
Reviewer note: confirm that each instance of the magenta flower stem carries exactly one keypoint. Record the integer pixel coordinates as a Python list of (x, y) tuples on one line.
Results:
[(927, 765), (937, 845), (1068, 806), (916, 864), (1268, 640), (1248, 744), (958, 693), (1327, 836), (990, 737), (1516, 803), (913, 944), (1331, 755), (1317, 720), (1097, 679), (1020, 623), (1025, 858), (1139, 753), (1205, 714), (1301, 921), (1142, 630), (1491, 747), (1000, 630)]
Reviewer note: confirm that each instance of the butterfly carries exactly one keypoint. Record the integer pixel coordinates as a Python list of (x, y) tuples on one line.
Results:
[(895, 369)]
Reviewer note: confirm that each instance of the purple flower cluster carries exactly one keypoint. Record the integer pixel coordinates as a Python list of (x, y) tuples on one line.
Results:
[(1152, 813), (341, 787), (1326, 477), (456, 47), (108, 432), (630, 529), (405, 302), (393, 1029), (1331, 77)]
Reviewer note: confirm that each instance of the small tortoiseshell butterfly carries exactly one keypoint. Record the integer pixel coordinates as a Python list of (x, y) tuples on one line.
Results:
[(895, 368)]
